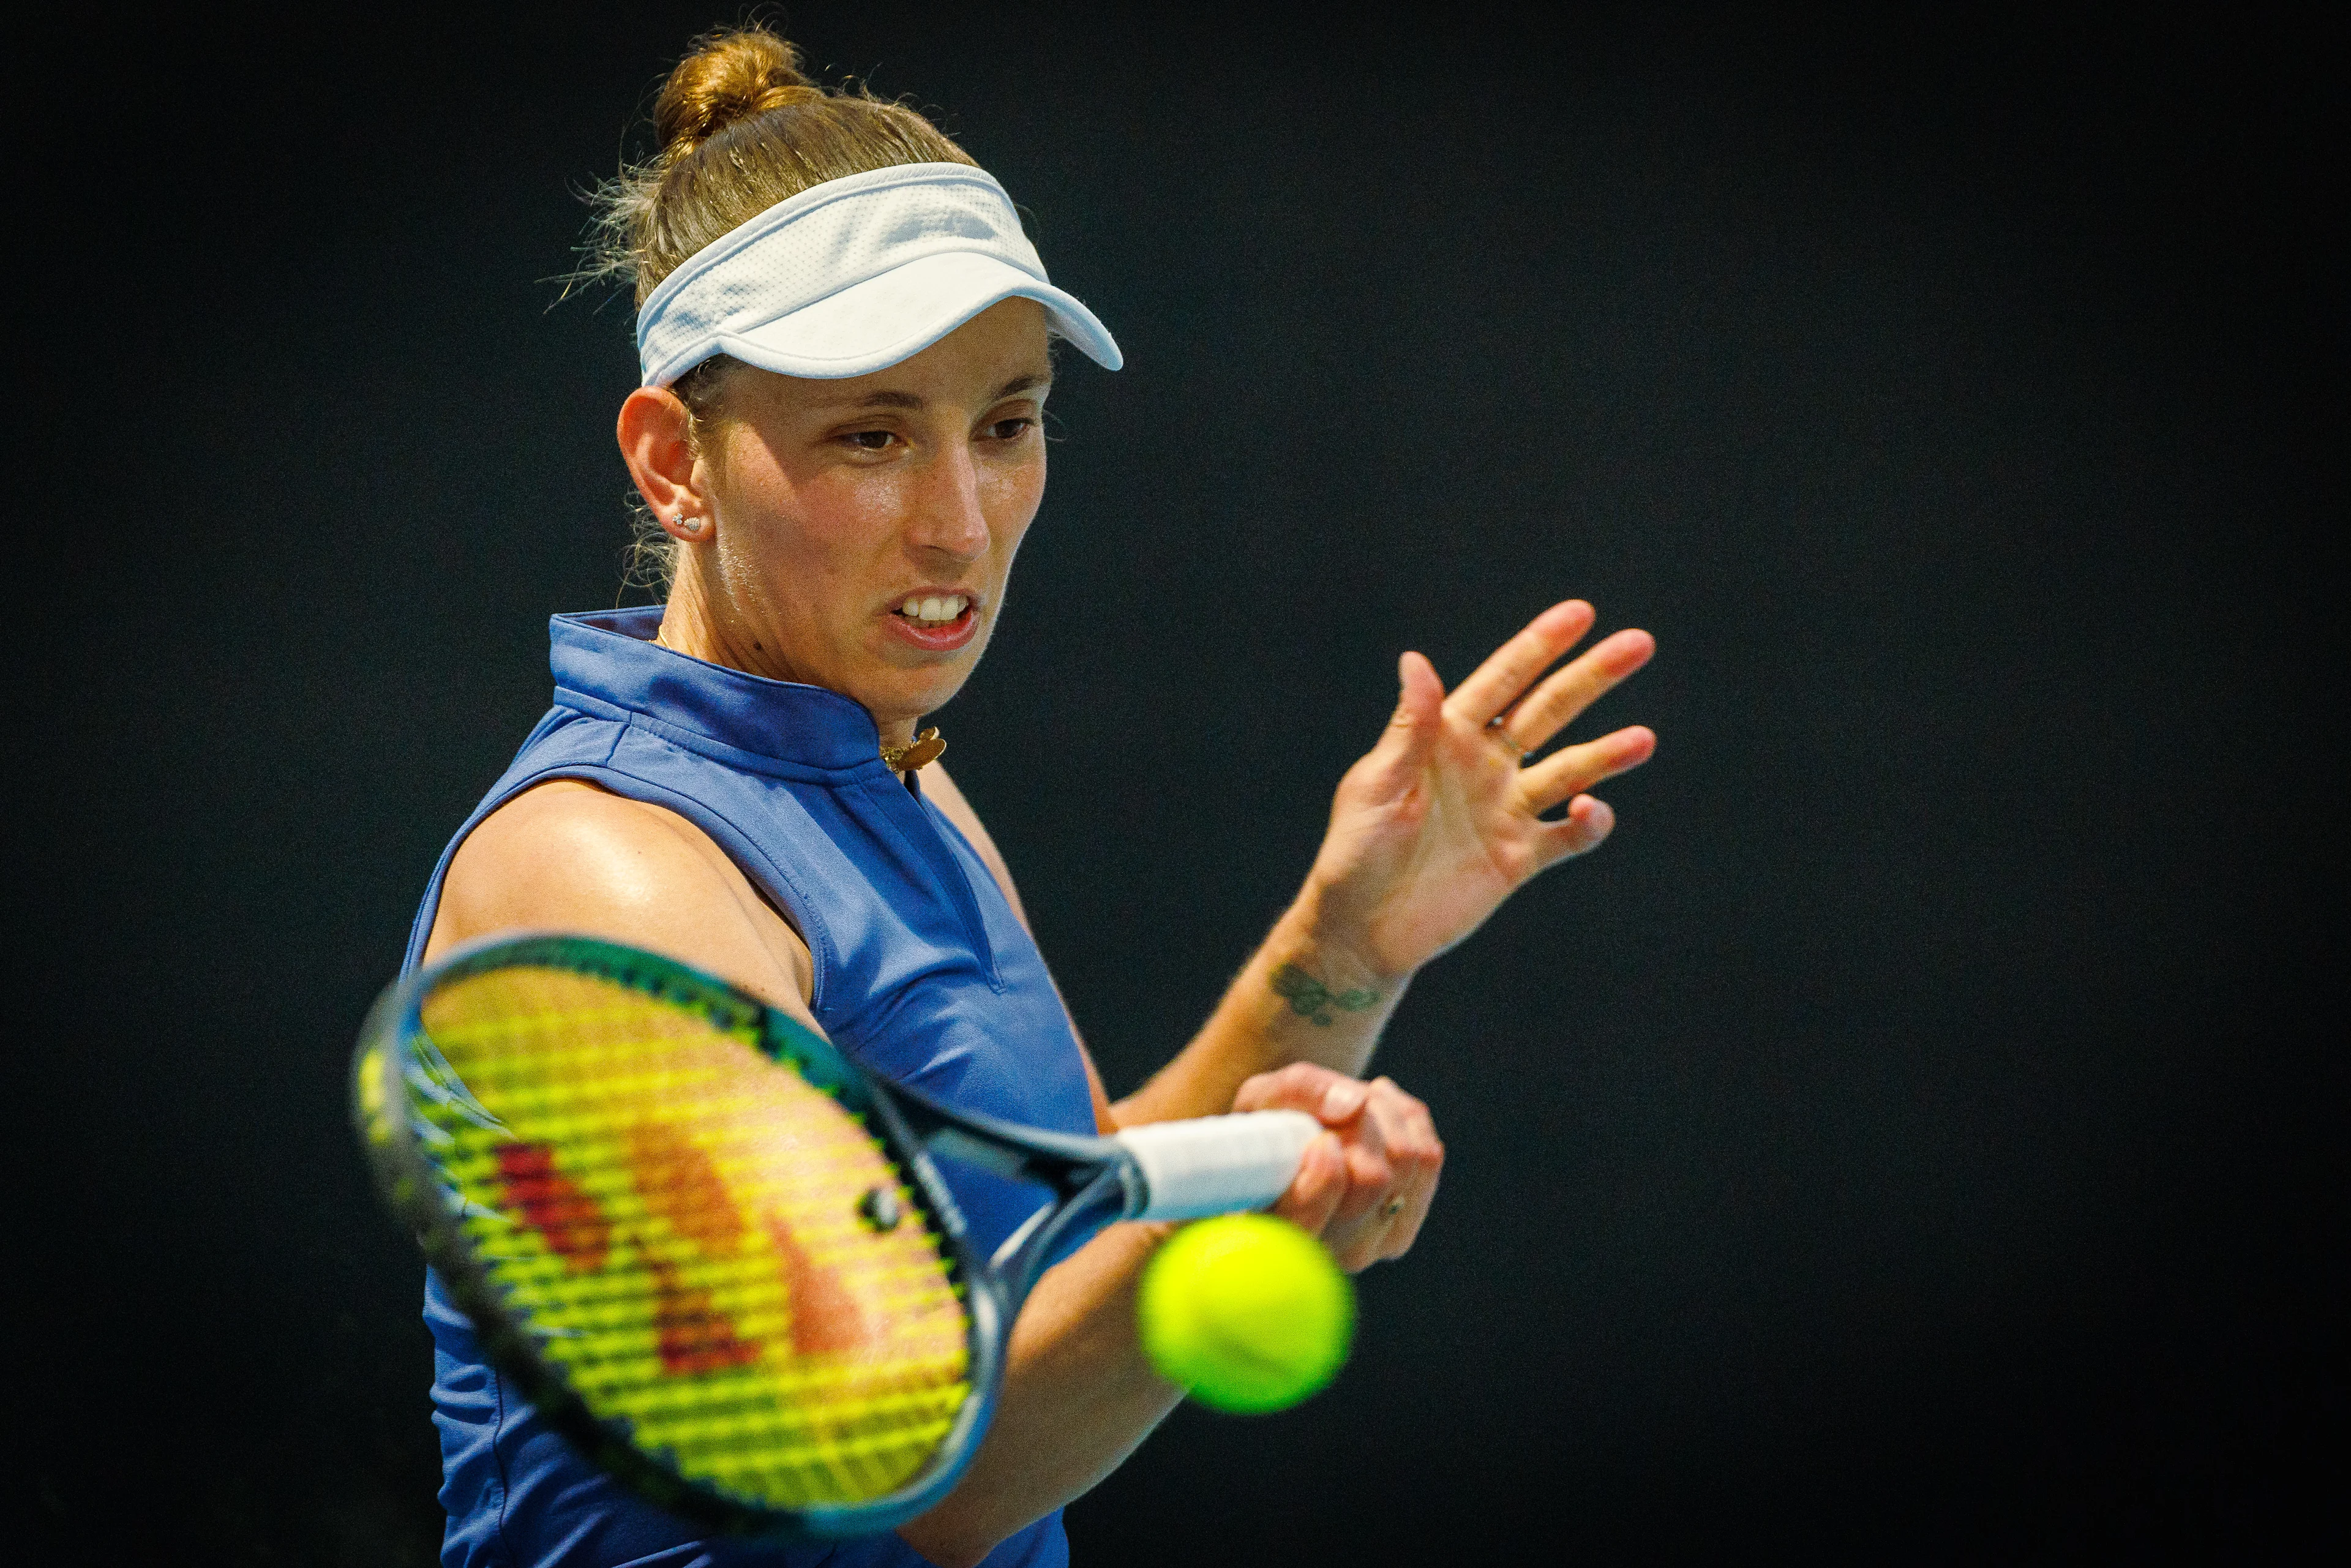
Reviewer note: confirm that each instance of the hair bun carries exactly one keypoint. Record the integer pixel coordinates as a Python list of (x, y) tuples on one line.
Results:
[(730, 76), (727, 154)]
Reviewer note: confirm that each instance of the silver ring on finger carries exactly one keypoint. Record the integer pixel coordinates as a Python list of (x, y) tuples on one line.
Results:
[(1495, 728)]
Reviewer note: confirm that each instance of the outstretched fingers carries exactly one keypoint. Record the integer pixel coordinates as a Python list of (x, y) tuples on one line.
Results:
[(1512, 668), (1555, 704)]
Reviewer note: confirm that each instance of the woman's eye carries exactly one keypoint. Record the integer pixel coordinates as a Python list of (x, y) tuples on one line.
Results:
[(1011, 429), (870, 440)]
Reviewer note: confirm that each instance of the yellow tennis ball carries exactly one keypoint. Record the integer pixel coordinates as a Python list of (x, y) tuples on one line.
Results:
[(1248, 1312)]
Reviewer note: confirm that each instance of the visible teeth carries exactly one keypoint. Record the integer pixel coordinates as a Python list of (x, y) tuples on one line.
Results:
[(935, 608)]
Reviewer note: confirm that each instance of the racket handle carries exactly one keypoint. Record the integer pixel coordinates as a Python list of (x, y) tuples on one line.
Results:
[(1215, 1165)]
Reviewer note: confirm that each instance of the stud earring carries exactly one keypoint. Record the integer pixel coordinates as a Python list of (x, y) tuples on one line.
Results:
[(694, 526)]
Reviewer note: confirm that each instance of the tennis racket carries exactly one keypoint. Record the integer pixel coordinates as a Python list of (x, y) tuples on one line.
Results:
[(717, 1254)]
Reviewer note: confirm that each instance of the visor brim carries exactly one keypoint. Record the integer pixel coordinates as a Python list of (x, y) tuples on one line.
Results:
[(872, 325)]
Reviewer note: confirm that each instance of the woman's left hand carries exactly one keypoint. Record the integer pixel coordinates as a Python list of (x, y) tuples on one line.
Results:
[(1442, 820)]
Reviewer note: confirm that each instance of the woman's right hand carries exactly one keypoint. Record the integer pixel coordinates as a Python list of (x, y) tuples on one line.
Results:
[(1364, 1186)]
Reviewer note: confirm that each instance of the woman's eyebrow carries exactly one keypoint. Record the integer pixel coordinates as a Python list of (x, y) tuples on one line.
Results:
[(1039, 384)]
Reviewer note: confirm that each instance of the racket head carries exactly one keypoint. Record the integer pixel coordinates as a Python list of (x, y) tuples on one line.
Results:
[(701, 1240)]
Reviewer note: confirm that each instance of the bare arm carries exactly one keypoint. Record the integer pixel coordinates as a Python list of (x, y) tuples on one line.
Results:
[(1260, 1027), (1429, 832), (1078, 1394)]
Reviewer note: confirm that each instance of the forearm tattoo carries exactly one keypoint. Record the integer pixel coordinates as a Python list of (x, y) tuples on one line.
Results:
[(1311, 998)]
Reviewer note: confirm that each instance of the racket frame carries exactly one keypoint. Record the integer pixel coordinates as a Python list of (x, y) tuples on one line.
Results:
[(1093, 1180)]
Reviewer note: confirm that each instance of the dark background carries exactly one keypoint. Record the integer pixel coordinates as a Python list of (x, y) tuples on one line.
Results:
[(1907, 1137)]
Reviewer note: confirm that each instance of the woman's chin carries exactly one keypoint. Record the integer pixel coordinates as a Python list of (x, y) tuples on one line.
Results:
[(904, 694)]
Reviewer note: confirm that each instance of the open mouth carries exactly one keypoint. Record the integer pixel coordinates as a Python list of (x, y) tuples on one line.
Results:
[(935, 611), (937, 622)]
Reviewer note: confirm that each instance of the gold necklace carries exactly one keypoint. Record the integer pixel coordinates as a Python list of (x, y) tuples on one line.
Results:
[(921, 751)]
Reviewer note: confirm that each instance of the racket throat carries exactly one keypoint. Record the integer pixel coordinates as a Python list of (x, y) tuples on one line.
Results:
[(1086, 1198)]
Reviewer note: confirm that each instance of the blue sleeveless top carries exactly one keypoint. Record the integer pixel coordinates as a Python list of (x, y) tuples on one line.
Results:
[(923, 974)]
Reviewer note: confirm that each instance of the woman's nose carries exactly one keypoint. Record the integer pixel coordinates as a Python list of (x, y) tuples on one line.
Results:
[(948, 515)]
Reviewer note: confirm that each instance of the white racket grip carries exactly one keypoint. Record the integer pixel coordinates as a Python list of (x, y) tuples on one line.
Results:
[(1217, 1164)]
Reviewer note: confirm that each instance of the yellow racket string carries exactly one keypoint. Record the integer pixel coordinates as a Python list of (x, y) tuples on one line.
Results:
[(679, 1218)]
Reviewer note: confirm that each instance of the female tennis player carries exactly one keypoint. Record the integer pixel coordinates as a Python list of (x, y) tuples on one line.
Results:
[(845, 339)]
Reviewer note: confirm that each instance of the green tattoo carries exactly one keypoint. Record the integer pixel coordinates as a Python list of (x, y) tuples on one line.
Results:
[(1311, 998)]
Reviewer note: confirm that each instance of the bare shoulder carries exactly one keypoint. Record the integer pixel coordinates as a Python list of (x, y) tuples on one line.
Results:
[(942, 790), (567, 856), (554, 849)]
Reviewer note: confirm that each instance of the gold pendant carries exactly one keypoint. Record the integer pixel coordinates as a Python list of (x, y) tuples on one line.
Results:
[(924, 748)]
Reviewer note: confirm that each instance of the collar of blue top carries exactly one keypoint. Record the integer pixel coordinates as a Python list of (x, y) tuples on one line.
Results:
[(606, 662)]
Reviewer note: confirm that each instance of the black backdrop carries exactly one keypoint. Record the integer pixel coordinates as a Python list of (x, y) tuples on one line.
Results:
[(1904, 1135)]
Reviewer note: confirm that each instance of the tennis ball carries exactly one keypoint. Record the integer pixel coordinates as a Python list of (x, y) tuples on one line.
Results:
[(1248, 1312)]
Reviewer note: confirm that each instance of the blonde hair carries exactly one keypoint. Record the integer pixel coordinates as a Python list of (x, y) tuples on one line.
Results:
[(741, 127)]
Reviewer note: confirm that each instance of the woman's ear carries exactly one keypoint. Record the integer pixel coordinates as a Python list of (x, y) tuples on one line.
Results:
[(660, 454)]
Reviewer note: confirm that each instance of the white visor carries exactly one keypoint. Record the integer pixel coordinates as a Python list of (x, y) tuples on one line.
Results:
[(854, 275)]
